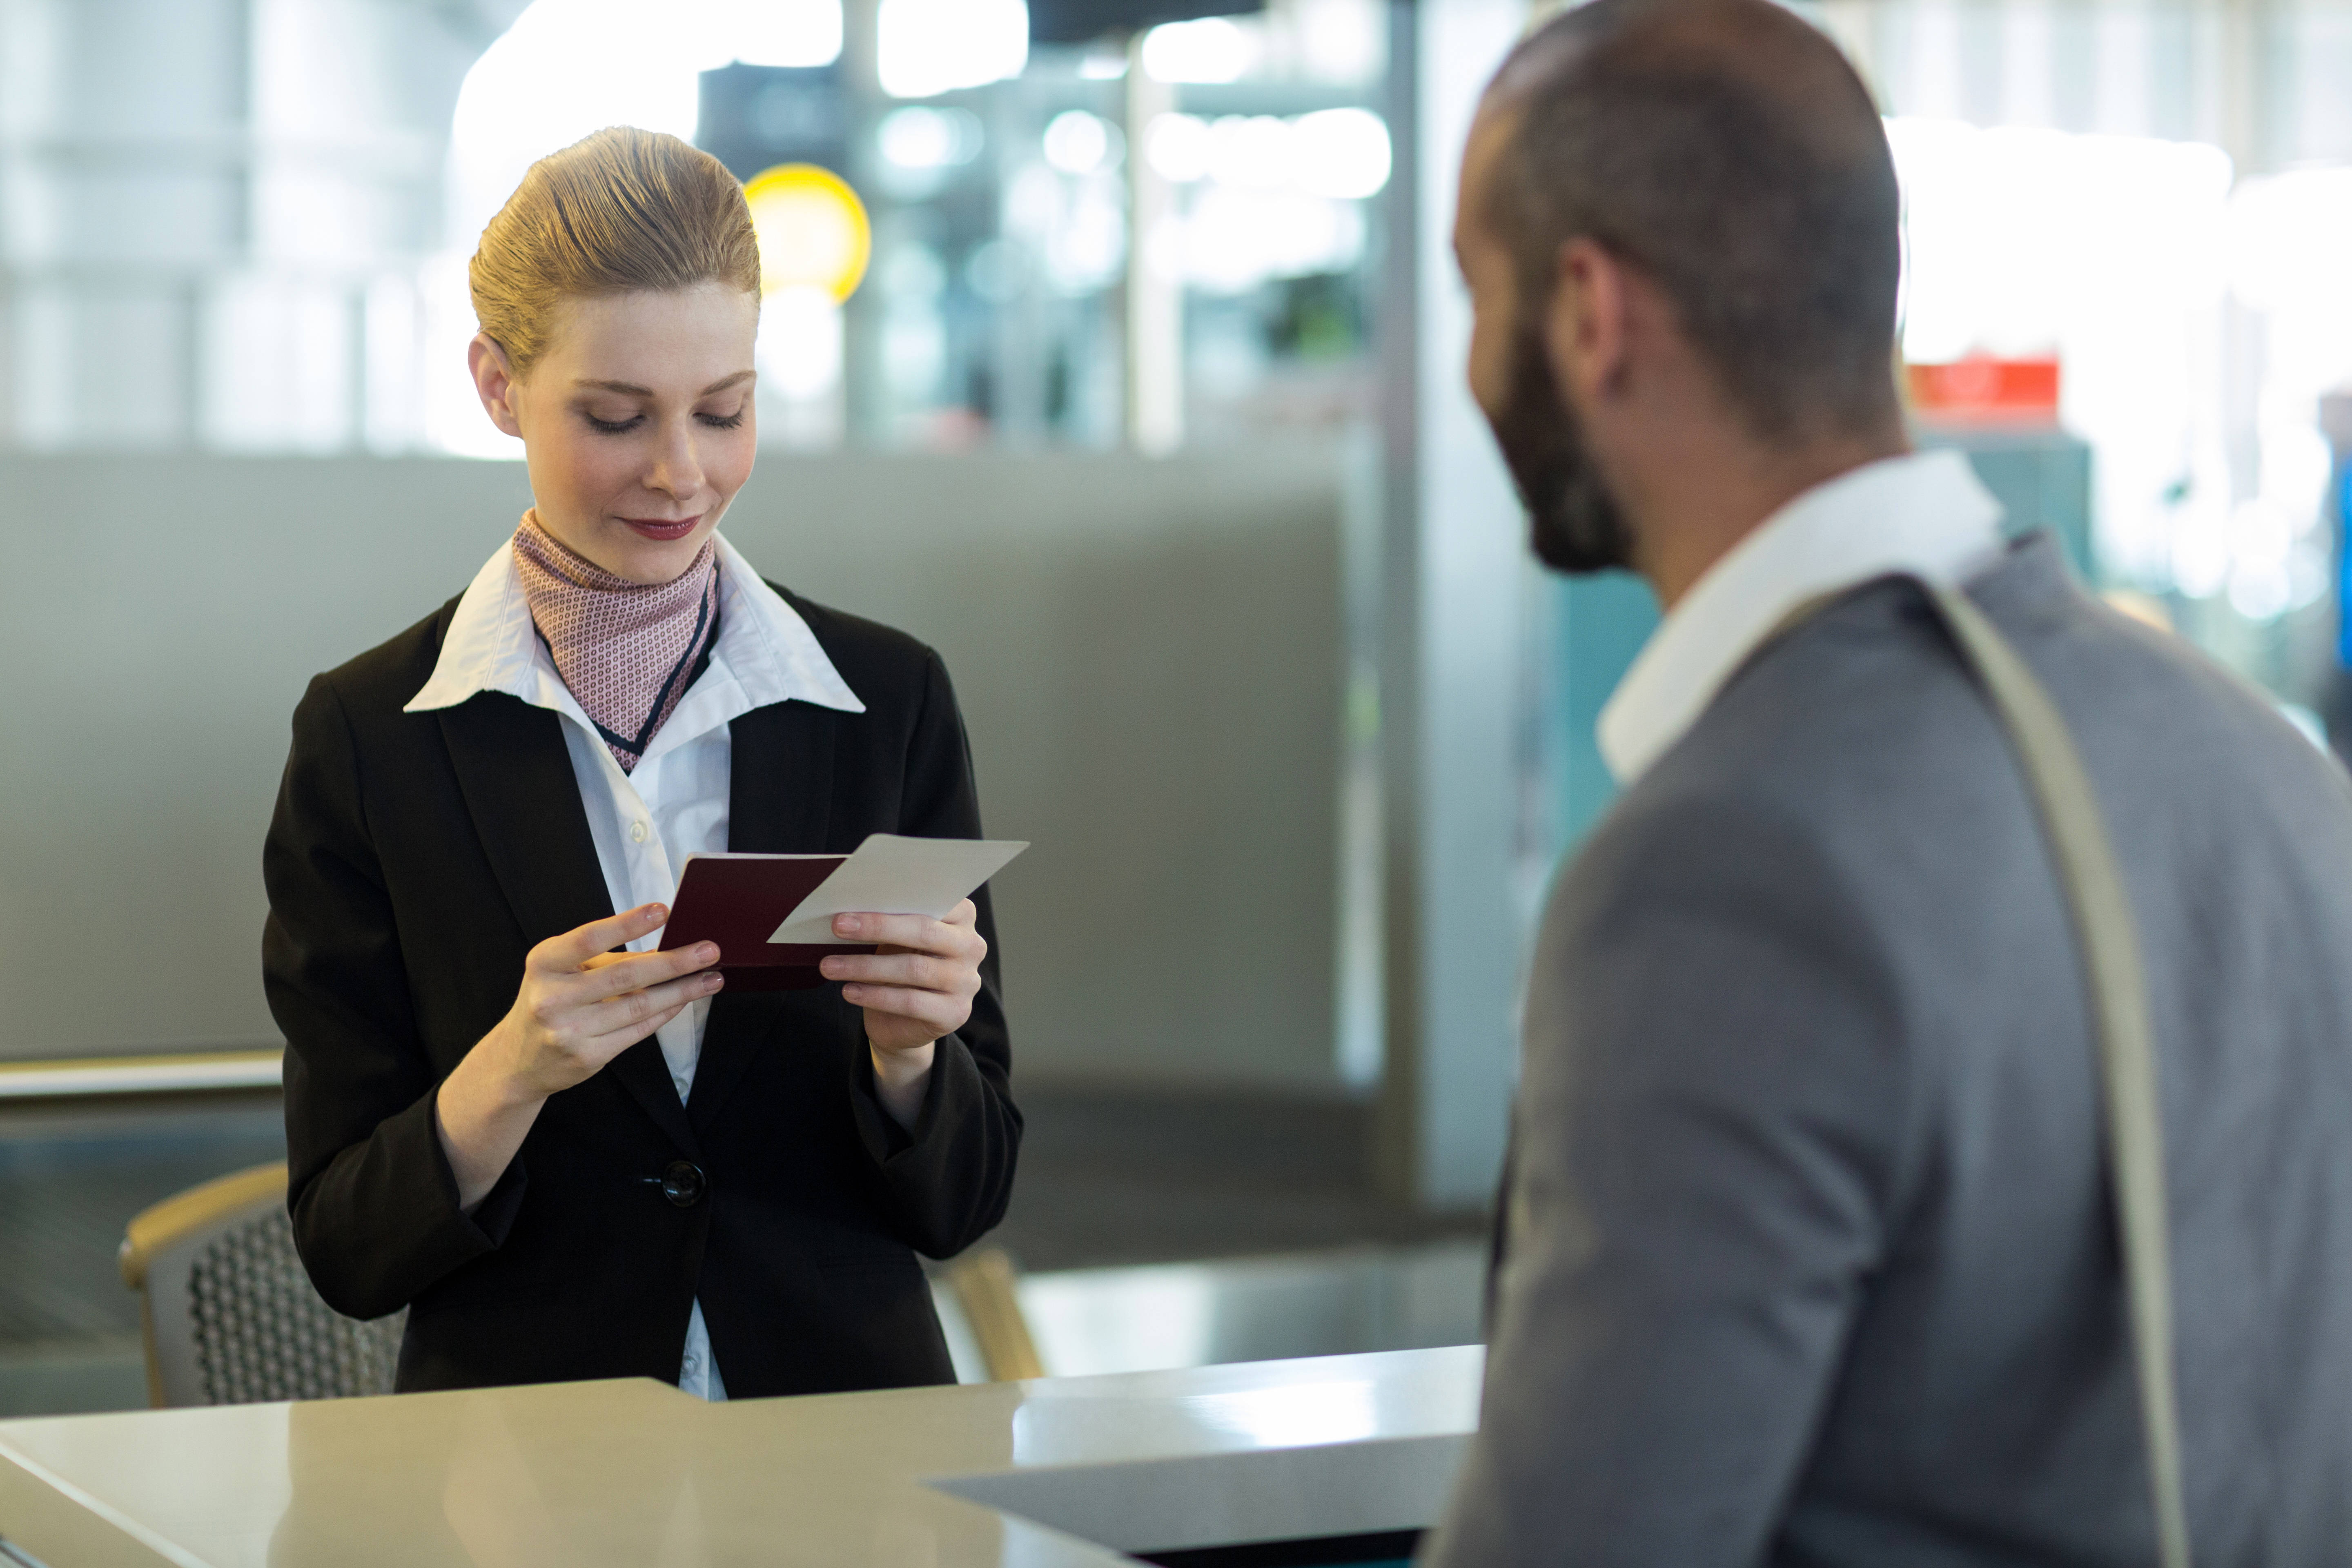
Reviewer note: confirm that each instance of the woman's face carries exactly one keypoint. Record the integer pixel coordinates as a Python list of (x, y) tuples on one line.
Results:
[(637, 422)]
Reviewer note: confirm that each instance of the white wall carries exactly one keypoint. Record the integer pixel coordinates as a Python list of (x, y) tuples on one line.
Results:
[(1147, 655)]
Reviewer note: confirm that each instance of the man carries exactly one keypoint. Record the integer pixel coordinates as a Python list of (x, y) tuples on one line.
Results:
[(1809, 1253)]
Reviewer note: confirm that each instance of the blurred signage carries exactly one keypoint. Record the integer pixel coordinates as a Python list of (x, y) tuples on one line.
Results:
[(1982, 389), (755, 117), (1083, 21)]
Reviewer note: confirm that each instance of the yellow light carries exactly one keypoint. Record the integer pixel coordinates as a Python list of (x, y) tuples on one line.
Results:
[(814, 232)]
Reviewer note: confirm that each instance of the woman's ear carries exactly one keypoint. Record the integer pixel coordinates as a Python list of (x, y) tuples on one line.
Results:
[(494, 379)]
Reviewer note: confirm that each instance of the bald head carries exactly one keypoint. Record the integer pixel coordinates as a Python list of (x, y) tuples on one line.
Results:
[(1727, 150)]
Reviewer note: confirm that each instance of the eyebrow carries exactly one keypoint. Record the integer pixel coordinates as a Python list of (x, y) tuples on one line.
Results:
[(631, 389)]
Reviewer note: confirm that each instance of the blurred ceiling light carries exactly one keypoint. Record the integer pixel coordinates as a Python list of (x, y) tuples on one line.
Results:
[(1102, 67), (1033, 202), (1077, 142), (799, 349), (1178, 147), (799, 33), (1087, 249), (1341, 41), (812, 230), (1340, 153), (929, 46), (565, 67), (1250, 151), (1235, 240), (1213, 50), (919, 138)]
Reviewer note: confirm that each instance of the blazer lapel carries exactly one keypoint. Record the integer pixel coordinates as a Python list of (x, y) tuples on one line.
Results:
[(520, 788), (779, 802)]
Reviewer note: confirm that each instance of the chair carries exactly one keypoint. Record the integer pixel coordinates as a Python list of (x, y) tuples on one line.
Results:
[(987, 1286), (229, 1314)]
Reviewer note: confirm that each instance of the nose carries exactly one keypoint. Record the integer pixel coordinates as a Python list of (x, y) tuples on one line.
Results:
[(677, 468)]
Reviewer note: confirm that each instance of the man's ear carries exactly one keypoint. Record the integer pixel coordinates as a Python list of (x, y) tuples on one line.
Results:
[(1585, 324), (495, 380)]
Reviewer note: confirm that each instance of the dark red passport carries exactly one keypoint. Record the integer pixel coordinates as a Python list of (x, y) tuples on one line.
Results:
[(736, 901)]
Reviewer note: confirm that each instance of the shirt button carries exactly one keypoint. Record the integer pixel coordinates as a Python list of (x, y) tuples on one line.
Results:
[(638, 831)]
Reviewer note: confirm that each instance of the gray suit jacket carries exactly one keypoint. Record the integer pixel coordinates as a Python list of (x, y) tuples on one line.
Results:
[(1810, 1254)]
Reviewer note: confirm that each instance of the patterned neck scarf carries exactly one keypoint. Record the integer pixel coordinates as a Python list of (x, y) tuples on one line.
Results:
[(626, 649)]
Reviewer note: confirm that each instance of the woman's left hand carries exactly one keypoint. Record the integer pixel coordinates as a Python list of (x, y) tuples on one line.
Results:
[(915, 986)]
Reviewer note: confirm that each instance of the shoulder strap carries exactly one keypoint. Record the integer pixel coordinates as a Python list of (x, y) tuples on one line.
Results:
[(2094, 886)]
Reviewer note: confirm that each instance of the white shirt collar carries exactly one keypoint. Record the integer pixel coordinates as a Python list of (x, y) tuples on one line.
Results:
[(765, 652), (1924, 513)]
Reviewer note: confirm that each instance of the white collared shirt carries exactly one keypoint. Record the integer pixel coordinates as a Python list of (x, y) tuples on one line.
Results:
[(646, 822), (1924, 513)]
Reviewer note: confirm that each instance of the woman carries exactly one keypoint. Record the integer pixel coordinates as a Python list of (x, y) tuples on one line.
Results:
[(569, 1156)]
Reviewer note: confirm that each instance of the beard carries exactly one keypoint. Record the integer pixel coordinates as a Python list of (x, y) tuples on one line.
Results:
[(1574, 523)]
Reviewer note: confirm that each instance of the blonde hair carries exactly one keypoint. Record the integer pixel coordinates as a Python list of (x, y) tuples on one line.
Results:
[(618, 212)]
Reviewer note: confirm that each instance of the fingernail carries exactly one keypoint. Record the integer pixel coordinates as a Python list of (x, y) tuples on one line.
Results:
[(706, 951), (830, 968), (847, 925), (657, 912)]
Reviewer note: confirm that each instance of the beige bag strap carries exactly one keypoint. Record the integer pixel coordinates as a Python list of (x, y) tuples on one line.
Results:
[(2093, 885)]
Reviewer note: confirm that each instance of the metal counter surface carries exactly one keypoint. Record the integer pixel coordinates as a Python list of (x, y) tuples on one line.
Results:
[(633, 1471)]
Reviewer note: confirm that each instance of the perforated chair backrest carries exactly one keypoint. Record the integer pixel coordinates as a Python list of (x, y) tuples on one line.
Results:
[(231, 1316)]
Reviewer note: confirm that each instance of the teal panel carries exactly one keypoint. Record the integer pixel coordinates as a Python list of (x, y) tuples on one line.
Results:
[(2042, 479), (1601, 623)]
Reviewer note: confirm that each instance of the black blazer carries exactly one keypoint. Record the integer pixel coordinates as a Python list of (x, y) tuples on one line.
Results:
[(416, 857)]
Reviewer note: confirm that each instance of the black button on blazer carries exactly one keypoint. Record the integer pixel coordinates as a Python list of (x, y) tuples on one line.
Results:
[(416, 857)]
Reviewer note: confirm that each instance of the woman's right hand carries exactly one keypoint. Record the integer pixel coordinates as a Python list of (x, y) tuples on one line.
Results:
[(581, 1004)]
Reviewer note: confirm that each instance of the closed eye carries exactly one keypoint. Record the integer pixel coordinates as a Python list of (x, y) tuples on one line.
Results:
[(722, 422), (612, 428)]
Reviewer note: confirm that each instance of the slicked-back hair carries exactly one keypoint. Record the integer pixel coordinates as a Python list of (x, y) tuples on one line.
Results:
[(618, 212), (1727, 150)]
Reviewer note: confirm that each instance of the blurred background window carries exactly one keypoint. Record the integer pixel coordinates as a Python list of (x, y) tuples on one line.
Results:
[(2147, 193), (1113, 347), (242, 226)]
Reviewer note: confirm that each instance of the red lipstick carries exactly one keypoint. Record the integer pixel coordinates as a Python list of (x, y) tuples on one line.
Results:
[(663, 528)]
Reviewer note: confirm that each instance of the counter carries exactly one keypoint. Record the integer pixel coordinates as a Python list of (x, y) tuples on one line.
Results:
[(1053, 1473)]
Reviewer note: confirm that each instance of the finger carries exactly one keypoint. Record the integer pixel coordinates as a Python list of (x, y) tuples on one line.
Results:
[(574, 948), (602, 1049), (966, 913), (686, 955), (919, 933), (939, 1014), (635, 971), (916, 971), (632, 1009)]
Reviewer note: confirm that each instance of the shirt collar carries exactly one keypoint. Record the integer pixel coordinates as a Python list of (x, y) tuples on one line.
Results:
[(1924, 513), (765, 652)]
